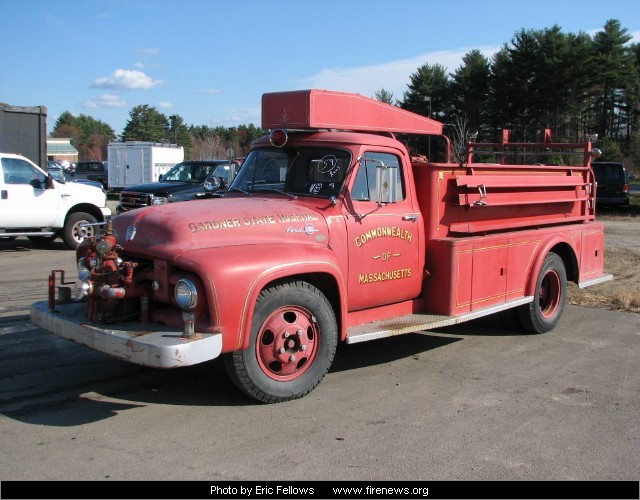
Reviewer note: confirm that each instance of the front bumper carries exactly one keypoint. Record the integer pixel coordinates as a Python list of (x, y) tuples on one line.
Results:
[(133, 342)]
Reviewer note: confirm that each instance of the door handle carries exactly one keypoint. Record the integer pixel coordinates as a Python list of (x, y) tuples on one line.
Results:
[(412, 218)]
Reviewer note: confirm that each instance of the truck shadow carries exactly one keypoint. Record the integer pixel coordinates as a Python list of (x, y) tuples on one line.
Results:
[(13, 244), (77, 386), (386, 350)]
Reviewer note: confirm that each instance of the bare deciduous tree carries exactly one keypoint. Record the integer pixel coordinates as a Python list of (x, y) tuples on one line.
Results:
[(207, 147), (459, 137)]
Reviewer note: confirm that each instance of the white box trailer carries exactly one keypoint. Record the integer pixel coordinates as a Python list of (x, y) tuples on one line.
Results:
[(138, 162)]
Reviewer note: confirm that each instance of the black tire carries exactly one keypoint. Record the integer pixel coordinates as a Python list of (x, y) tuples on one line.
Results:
[(42, 240), (293, 340), (73, 233), (542, 315)]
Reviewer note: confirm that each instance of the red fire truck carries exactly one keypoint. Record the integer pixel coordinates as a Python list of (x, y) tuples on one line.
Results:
[(333, 231)]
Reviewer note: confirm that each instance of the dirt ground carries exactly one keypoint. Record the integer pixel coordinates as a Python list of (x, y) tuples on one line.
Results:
[(622, 259)]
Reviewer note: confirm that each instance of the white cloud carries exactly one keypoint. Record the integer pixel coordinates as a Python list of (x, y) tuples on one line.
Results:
[(208, 91), (393, 76), (147, 51), (165, 105), (126, 79), (138, 65), (105, 101)]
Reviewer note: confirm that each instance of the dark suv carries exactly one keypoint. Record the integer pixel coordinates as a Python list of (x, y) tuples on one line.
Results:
[(613, 184), (189, 180), (93, 171)]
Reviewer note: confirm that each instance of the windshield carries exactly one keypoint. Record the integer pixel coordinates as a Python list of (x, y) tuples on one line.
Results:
[(58, 175), (194, 173), (305, 171)]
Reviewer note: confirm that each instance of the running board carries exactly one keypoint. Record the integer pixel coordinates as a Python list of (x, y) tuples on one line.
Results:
[(596, 281), (412, 323)]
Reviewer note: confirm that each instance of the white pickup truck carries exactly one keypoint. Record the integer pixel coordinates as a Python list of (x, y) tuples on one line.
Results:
[(34, 205)]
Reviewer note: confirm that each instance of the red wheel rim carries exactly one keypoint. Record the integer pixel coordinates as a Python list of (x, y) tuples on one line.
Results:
[(287, 343), (549, 294)]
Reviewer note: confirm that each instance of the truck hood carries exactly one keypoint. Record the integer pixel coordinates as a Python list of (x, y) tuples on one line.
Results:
[(81, 192), (163, 188), (167, 231)]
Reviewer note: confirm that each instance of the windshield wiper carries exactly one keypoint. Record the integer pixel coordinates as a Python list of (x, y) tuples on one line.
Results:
[(238, 189), (274, 190)]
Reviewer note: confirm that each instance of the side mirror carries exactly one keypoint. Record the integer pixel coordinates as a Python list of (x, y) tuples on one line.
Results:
[(387, 183), (212, 184), (40, 183)]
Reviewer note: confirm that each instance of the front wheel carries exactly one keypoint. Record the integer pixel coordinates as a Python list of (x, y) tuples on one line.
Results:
[(294, 335), (77, 228), (543, 314)]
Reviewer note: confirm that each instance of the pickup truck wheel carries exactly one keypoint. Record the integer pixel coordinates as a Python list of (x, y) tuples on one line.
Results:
[(74, 233), (294, 335), (543, 314)]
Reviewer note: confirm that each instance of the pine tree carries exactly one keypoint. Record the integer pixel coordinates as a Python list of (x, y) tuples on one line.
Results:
[(616, 79), (146, 123), (470, 89)]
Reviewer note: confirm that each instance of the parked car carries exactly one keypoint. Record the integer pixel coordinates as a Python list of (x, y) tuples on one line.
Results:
[(59, 174), (613, 184), (94, 171), (38, 207), (189, 180)]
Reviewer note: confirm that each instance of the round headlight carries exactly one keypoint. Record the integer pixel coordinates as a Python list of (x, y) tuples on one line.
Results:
[(186, 294)]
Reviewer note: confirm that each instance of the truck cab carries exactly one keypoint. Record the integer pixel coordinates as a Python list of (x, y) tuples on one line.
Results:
[(359, 188)]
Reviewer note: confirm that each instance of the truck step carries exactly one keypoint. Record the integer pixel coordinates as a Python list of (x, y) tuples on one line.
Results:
[(412, 323)]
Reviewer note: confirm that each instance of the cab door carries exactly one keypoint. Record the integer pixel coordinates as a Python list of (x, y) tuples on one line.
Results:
[(24, 200), (384, 239)]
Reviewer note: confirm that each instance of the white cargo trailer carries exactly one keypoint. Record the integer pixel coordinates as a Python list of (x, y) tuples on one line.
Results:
[(138, 162)]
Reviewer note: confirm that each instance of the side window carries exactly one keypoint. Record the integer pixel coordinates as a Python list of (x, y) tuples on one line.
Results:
[(17, 171), (364, 187)]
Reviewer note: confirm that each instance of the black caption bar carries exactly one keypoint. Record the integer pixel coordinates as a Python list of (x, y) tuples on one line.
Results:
[(345, 490)]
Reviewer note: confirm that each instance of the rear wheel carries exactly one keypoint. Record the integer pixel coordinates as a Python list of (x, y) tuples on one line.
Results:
[(293, 341), (76, 230), (543, 314)]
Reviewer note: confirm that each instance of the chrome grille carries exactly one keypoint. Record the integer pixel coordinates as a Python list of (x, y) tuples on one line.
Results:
[(130, 200)]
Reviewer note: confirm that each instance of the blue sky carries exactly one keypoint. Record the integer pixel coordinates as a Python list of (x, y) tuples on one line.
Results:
[(210, 61)]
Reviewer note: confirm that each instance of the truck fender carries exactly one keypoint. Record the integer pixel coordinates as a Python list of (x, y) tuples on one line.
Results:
[(564, 248), (290, 270), (233, 289)]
